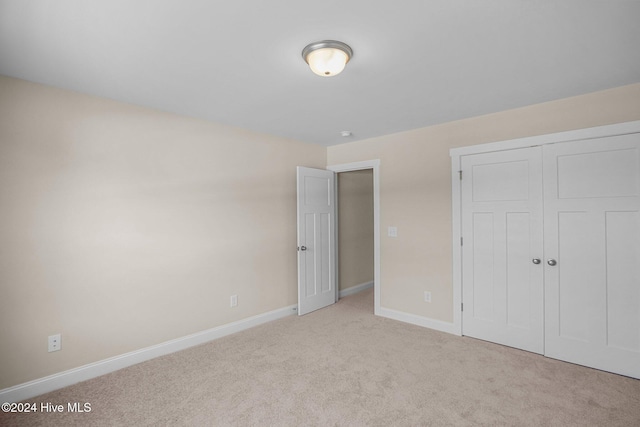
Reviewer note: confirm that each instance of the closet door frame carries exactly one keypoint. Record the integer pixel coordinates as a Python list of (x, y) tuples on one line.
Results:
[(456, 187)]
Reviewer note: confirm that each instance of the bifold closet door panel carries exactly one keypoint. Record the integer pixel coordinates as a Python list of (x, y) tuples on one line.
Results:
[(502, 233), (592, 252)]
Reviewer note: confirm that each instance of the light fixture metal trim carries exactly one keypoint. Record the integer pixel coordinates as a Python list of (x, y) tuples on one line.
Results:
[(327, 44)]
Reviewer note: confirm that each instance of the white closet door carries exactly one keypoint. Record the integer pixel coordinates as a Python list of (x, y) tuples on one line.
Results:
[(592, 235), (502, 232)]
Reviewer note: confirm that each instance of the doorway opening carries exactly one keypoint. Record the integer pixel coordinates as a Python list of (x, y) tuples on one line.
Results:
[(355, 245), (358, 230)]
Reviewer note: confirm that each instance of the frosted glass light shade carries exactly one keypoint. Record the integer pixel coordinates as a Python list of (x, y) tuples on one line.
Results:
[(327, 58), (327, 62)]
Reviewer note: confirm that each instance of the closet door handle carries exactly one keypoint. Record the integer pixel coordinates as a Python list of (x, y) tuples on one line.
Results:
[(302, 248), (536, 261), (551, 262)]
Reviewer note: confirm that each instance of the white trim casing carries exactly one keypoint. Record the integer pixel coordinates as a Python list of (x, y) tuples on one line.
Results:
[(62, 379), (456, 193), (457, 245)]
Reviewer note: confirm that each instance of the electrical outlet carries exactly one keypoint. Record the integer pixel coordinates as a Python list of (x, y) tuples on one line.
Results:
[(234, 300), (392, 231), (427, 296), (54, 343)]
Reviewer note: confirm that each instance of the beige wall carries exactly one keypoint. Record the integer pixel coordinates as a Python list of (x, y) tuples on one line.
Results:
[(355, 225), (415, 187), (123, 227)]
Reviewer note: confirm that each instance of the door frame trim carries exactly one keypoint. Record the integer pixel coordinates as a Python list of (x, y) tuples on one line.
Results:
[(355, 166), (456, 187)]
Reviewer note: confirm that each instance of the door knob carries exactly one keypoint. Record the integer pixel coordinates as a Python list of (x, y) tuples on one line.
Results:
[(551, 262), (536, 261), (302, 248)]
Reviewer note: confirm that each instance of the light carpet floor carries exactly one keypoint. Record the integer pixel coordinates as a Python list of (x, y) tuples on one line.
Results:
[(342, 366)]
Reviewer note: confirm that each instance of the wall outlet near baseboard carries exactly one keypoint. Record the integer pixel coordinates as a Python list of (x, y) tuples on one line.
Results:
[(427, 296), (54, 343), (234, 300)]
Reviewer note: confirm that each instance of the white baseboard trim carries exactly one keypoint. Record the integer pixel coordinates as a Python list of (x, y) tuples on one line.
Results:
[(62, 379), (438, 325), (355, 289)]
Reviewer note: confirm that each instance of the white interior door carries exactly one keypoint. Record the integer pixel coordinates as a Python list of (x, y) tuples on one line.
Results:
[(502, 274), (316, 239), (592, 238)]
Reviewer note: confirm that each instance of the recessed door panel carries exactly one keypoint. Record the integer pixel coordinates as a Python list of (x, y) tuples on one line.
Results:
[(598, 174), (490, 186), (578, 272), (519, 270), (316, 191), (324, 256), (483, 266), (310, 280), (623, 280)]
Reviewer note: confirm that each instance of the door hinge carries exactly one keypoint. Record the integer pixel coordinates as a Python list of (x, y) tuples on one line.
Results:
[(461, 243), (460, 173), (461, 306)]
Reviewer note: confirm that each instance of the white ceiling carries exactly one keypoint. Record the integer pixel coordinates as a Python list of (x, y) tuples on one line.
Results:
[(415, 64)]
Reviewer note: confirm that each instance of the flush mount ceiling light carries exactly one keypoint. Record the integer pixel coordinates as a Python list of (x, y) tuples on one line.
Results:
[(328, 57)]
